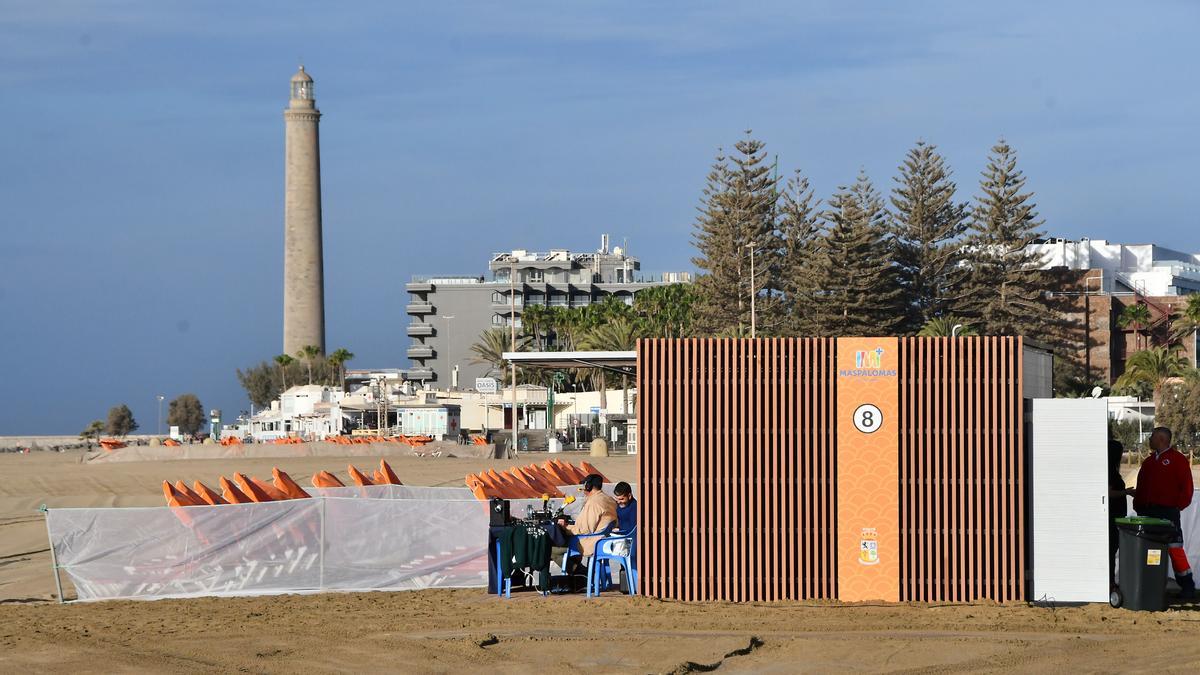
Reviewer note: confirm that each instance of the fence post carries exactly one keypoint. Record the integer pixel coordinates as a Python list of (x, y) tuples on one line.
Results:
[(321, 550), (53, 557)]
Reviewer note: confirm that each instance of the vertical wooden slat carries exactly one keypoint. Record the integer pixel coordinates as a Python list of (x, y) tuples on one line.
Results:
[(1019, 453)]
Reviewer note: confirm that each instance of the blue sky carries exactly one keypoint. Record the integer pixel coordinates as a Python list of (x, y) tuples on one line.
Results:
[(141, 159)]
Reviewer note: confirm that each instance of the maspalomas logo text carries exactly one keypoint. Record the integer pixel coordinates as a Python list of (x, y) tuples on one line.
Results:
[(868, 363)]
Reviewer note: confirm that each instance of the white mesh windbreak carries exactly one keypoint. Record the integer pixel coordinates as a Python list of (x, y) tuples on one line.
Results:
[(392, 492), (405, 544), (243, 549), (292, 546)]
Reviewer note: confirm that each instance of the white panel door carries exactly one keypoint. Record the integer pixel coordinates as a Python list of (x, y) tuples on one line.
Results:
[(1069, 484)]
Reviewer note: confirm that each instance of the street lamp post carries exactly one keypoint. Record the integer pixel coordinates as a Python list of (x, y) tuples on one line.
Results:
[(160, 400), (512, 298), (449, 351)]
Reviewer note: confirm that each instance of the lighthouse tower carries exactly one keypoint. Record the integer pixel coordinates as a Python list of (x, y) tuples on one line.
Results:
[(303, 262)]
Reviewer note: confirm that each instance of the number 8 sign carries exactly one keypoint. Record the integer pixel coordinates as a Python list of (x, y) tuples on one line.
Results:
[(868, 418)]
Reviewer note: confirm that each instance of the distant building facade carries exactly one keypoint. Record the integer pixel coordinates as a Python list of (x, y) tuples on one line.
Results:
[(448, 313), (1105, 277)]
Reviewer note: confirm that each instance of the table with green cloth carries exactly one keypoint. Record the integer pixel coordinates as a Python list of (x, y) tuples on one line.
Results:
[(522, 546)]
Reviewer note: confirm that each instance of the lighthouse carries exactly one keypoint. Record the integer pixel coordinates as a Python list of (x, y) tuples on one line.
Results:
[(303, 259)]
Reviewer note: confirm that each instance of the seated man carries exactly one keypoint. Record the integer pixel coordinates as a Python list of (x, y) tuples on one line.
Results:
[(599, 511), (626, 508)]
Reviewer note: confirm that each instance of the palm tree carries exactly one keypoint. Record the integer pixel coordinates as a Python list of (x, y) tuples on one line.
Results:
[(308, 353), (665, 311), (284, 361), (1138, 316), (534, 319), (943, 326), (618, 335), (1189, 322), (1153, 367), (568, 326), (491, 347), (338, 360)]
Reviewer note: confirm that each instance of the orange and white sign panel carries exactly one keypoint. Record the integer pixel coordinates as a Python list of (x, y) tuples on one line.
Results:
[(868, 469)]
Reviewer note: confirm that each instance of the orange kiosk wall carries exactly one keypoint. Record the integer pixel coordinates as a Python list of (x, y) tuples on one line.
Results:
[(853, 468)]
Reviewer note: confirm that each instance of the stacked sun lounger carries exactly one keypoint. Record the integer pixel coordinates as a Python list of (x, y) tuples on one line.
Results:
[(528, 482)]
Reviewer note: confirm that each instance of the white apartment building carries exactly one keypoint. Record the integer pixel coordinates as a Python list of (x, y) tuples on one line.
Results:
[(1145, 269)]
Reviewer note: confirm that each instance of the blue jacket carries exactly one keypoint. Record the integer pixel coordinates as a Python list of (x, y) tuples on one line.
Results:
[(627, 516)]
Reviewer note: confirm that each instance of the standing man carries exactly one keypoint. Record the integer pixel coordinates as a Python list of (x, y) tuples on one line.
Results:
[(1164, 488)]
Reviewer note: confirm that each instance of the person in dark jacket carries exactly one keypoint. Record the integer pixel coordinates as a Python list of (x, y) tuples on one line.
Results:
[(626, 507), (1117, 499)]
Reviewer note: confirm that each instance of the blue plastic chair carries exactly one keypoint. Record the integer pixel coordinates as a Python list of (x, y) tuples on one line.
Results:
[(574, 549), (599, 572), (503, 584)]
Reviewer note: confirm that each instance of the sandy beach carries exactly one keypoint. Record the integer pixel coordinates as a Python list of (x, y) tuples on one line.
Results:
[(457, 630)]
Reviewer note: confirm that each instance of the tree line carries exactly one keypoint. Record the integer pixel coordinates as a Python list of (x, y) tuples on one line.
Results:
[(608, 325), (864, 263), (267, 380), (184, 411)]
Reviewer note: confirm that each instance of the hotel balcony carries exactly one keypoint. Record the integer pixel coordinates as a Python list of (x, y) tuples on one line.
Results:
[(420, 330), (506, 306), (420, 352), (419, 287), (418, 374), (419, 308)]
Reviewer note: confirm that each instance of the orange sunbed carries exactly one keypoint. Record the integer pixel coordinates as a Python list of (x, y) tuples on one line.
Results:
[(524, 480), (176, 498), (529, 478), (273, 492), (232, 493), (206, 493), (540, 482), (252, 489), (388, 474), (378, 478), (286, 485), (591, 469), (557, 474), (493, 486), (569, 470), (508, 490), (358, 477), (324, 479), (187, 491), (478, 490), (516, 487)]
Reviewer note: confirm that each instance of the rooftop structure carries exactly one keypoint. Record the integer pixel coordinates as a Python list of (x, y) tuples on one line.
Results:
[(1146, 269), (450, 312)]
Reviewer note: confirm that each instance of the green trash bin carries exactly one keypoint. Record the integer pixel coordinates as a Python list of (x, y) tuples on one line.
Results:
[(1143, 561)]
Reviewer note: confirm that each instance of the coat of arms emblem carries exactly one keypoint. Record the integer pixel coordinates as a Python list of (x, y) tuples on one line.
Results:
[(868, 548)]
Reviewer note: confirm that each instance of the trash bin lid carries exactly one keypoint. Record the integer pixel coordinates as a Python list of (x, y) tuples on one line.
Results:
[(1153, 529), (1144, 520)]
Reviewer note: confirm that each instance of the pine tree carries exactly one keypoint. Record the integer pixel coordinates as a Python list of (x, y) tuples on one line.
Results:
[(800, 230), (1004, 289), (857, 292), (736, 221), (928, 225)]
